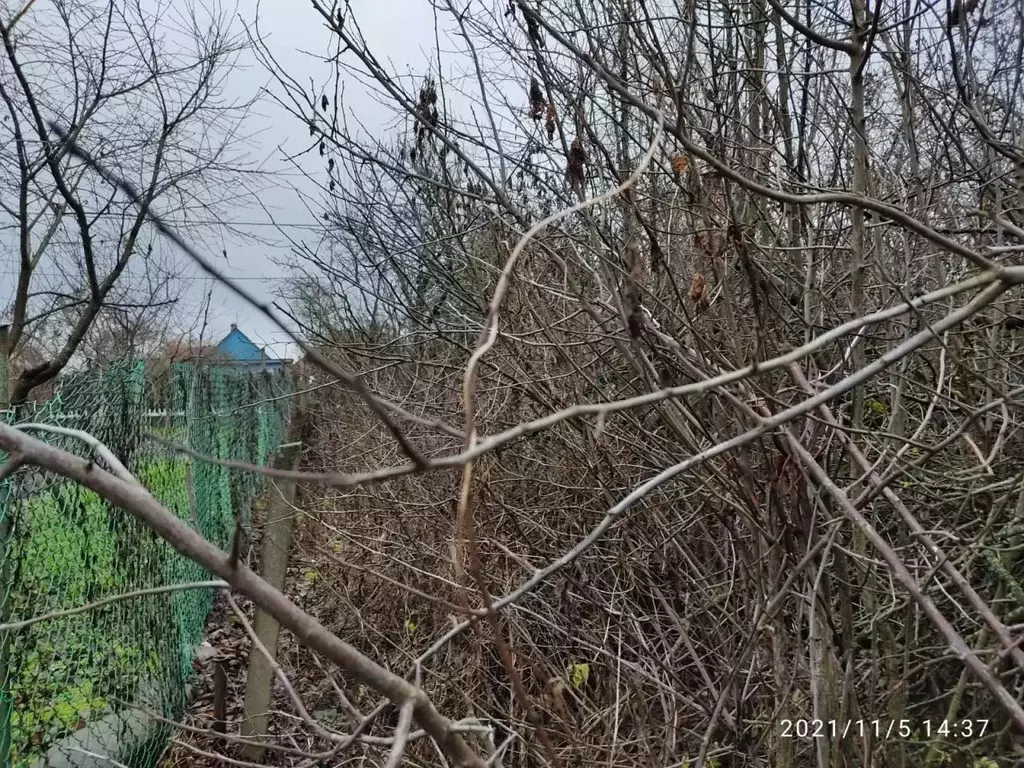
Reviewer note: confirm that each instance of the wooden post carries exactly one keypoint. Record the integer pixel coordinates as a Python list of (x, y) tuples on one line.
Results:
[(220, 696), (277, 539)]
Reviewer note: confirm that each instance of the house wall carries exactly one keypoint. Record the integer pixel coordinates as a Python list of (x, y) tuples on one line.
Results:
[(253, 365)]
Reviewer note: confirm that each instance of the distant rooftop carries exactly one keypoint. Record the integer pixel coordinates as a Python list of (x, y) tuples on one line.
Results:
[(239, 348), (235, 349)]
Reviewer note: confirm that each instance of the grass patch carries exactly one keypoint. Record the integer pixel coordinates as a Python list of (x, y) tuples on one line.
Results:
[(73, 548)]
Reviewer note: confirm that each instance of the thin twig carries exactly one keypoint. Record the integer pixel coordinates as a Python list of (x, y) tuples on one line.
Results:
[(401, 736), (15, 625), (97, 448)]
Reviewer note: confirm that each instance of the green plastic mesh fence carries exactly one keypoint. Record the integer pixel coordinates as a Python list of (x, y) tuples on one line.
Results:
[(88, 684)]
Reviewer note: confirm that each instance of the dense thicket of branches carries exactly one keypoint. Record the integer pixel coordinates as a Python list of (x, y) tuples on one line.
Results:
[(831, 535)]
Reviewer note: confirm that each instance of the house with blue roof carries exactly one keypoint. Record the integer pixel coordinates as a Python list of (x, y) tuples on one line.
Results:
[(237, 350)]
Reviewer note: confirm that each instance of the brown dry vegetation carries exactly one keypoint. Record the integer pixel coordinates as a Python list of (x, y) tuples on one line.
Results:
[(729, 477), (720, 558)]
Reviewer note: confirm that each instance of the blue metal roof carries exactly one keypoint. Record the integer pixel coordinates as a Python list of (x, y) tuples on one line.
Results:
[(237, 346)]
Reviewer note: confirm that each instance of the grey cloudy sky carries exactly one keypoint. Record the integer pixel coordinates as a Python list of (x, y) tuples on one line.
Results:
[(400, 32)]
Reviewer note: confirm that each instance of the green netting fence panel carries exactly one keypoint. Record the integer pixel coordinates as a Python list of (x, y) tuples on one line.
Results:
[(83, 683)]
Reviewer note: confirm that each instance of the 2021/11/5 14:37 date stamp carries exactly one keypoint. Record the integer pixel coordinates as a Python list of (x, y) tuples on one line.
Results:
[(882, 729)]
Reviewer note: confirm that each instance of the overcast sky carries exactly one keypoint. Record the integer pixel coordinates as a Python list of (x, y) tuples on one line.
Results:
[(399, 32)]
